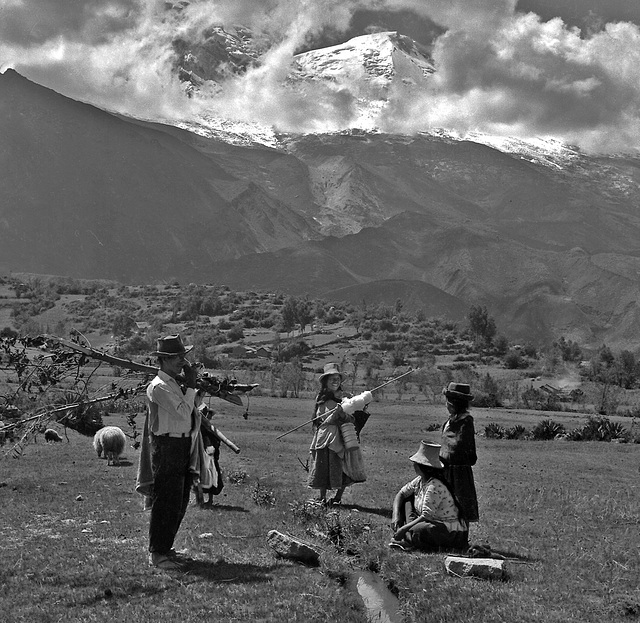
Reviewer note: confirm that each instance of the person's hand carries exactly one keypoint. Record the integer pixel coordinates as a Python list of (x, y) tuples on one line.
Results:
[(400, 534), (190, 375)]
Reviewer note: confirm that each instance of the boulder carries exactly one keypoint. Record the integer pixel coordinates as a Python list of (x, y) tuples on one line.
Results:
[(483, 568), (288, 547)]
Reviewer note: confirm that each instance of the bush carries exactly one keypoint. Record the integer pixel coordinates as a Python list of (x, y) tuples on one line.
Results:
[(299, 349), (516, 432), (513, 360), (486, 400), (602, 429), (547, 429), (235, 333), (494, 431)]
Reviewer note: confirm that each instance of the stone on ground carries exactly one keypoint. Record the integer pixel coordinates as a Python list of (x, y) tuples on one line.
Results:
[(290, 548), (484, 568)]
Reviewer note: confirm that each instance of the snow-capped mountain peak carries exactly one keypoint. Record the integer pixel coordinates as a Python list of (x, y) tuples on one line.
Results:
[(377, 59)]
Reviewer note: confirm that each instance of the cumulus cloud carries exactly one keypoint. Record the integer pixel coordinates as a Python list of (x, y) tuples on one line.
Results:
[(498, 70), (534, 77)]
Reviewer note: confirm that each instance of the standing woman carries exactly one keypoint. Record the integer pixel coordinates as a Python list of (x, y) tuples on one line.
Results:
[(458, 452), (336, 459)]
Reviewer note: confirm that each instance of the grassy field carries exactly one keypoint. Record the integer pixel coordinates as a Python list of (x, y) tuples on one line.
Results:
[(73, 535)]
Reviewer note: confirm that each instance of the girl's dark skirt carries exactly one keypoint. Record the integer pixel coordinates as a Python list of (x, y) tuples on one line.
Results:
[(460, 477), (325, 471)]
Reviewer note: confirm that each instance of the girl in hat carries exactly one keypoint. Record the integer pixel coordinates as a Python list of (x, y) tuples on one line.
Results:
[(426, 514), (458, 452), (335, 463)]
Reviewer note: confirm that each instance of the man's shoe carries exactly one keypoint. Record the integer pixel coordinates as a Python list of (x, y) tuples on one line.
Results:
[(164, 562)]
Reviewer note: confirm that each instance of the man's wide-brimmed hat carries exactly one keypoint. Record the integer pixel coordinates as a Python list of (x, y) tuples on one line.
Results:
[(329, 369), (458, 391), (169, 346), (428, 454)]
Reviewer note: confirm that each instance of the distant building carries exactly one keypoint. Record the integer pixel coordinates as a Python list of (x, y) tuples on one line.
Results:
[(241, 351), (263, 352)]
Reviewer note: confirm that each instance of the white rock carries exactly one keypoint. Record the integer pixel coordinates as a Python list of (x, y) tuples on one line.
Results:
[(484, 568), (288, 547)]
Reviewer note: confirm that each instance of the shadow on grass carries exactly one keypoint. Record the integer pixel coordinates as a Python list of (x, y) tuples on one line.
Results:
[(122, 463), (212, 506), (228, 572)]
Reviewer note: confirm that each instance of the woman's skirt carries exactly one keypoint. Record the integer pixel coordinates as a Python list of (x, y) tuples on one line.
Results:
[(326, 471), (460, 477)]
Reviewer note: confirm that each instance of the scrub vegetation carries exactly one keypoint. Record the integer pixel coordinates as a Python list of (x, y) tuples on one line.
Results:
[(74, 534), (557, 474)]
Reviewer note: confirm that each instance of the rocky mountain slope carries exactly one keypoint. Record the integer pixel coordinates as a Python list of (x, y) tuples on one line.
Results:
[(545, 236)]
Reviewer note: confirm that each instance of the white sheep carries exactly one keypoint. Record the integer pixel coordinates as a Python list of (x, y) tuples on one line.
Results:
[(111, 441)]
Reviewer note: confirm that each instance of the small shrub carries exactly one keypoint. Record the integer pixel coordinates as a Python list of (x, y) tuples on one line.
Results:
[(482, 399), (263, 496), (237, 477), (602, 429), (547, 429), (516, 432), (575, 434), (494, 431)]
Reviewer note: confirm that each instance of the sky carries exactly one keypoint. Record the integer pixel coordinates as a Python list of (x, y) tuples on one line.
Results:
[(567, 69)]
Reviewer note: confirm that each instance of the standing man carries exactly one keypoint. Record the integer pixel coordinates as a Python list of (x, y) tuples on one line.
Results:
[(169, 427)]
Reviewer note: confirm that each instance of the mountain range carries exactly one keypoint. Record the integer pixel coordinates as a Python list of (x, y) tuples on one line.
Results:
[(545, 236)]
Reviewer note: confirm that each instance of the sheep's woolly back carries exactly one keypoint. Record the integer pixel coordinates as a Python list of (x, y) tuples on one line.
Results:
[(111, 440)]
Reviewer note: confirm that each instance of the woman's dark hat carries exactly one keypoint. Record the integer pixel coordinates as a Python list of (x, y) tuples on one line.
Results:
[(428, 454), (329, 369), (458, 391), (170, 346)]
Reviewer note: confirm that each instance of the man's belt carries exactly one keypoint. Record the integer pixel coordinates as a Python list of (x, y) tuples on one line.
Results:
[(174, 435)]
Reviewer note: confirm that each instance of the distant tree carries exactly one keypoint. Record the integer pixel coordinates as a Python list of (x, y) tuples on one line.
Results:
[(292, 378), (399, 356), (501, 344), (569, 350), (304, 313), (513, 360), (289, 314), (627, 369), (482, 326), (122, 325), (8, 332), (236, 332)]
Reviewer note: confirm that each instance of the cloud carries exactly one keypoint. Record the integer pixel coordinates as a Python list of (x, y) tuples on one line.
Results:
[(536, 78), (498, 70)]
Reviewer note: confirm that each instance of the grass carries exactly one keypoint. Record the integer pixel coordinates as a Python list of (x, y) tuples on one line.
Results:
[(73, 535)]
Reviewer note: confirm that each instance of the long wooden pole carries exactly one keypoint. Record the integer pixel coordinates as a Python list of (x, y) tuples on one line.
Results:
[(397, 378)]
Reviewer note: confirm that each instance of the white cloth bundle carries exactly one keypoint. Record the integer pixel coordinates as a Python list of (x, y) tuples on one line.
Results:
[(356, 403)]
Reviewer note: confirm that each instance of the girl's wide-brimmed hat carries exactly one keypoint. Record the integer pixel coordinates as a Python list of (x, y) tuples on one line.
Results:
[(458, 391), (428, 454), (329, 369), (170, 346)]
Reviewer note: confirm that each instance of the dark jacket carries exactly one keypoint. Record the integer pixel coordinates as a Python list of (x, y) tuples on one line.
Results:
[(458, 441)]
